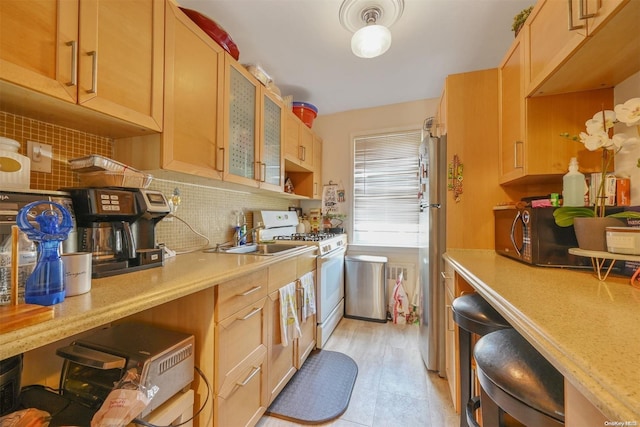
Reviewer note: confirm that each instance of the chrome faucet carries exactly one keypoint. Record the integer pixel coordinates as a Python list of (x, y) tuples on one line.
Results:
[(238, 235)]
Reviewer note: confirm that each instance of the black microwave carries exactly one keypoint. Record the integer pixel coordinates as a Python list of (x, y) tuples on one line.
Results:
[(531, 235)]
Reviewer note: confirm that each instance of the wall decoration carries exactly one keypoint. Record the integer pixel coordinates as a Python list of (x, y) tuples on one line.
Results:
[(454, 175)]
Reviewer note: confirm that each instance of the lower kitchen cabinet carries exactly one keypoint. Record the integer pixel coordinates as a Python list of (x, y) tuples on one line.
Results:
[(455, 286), (240, 348), (284, 361)]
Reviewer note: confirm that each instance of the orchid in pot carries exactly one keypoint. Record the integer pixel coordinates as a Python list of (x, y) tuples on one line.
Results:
[(599, 136)]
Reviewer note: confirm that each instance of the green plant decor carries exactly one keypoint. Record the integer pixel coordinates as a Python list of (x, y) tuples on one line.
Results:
[(519, 19), (564, 216)]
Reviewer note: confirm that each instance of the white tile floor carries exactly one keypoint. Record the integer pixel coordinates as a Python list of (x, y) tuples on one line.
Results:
[(393, 388)]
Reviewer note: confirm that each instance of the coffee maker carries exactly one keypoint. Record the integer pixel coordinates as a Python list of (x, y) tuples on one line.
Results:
[(117, 225)]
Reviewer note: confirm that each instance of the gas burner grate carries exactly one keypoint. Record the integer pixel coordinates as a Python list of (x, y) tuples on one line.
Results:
[(307, 237)]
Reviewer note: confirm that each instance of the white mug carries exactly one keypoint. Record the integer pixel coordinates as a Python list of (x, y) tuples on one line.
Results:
[(77, 273)]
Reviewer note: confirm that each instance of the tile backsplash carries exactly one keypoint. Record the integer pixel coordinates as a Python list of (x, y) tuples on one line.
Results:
[(205, 210), (66, 144)]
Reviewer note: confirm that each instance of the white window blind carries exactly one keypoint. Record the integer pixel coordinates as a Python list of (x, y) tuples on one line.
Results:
[(386, 185)]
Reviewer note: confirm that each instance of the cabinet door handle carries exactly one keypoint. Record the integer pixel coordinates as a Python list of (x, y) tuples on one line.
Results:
[(253, 373), (570, 14), (74, 62), (515, 154), (304, 153), (94, 71), (252, 313), (445, 276), (583, 11), (222, 157), (263, 172), (449, 328), (250, 291)]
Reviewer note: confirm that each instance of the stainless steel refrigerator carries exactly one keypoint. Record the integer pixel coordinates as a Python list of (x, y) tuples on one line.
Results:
[(432, 324)]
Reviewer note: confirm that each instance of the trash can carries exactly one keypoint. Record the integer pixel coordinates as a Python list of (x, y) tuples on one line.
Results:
[(365, 288)]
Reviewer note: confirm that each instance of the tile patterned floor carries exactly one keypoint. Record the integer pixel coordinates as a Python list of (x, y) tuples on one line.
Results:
[(393, 388)]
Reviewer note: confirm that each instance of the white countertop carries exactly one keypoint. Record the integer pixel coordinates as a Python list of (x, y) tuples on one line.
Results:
[(589, 330)]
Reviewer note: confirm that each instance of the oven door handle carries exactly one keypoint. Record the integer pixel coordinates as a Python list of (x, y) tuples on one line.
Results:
[(334, 254), (92, 358)]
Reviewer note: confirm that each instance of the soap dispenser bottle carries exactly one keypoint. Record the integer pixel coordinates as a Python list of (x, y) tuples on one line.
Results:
[(573, 185)]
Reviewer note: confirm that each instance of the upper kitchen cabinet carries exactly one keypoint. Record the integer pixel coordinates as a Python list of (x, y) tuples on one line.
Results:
[(298, 150), (531, 148), (303, 157), (98, 54), (271, 142), (241, 125), (581, 45), (193, 105)]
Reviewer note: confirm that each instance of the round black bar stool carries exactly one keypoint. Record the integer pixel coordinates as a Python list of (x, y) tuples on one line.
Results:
[(517, 380), (473, 315)]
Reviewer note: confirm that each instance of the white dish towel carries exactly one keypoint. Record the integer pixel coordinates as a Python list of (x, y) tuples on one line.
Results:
[(308, 296), (289, 324)]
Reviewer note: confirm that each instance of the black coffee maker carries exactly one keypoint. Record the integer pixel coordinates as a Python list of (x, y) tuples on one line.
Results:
[(117, 225)]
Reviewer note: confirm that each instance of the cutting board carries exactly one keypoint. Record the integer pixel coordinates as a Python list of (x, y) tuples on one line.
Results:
[(18, 316)]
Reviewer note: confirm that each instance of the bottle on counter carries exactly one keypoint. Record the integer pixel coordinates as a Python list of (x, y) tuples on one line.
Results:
[(574, 185)]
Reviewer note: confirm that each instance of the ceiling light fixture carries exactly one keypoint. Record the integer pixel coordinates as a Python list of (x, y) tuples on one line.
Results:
[(371, 40), (374, 38)]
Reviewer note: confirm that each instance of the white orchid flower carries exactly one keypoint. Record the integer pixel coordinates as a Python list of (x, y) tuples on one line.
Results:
[(594, 142), (629, 112), (607, 117)]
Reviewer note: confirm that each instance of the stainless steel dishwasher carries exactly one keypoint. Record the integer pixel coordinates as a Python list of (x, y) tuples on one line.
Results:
[(365, 287)]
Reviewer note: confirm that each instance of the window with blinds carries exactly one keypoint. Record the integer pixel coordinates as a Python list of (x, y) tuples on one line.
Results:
[(386, 184)]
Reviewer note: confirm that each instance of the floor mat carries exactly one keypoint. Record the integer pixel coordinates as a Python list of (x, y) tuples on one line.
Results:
[(319, 391)]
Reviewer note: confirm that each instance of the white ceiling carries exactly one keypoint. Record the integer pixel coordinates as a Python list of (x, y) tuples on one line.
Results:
[(305, 50)]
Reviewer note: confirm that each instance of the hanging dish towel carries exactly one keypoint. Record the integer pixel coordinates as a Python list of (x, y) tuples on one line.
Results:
[(308, 296), (289, 324)]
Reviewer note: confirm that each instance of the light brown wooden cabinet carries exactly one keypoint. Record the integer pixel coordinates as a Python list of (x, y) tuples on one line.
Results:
[(451, 339), (284, 361), (561, 60), (298, 151), (303, 157), (240, 348), (531, 148), (78, 54), (252, 130), (192, 113)]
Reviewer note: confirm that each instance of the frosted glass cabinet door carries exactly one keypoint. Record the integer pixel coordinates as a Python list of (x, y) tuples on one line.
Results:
[(271, 154), (242, 124), (241, 119)]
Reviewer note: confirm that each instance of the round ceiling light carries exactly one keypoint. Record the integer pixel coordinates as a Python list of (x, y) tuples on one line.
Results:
[(369, 20)]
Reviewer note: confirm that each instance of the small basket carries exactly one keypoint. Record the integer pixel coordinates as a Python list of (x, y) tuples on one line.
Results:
[(127, 178), (95, 162)]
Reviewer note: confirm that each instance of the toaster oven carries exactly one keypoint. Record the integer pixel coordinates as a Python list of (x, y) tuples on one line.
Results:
[(164, 360)]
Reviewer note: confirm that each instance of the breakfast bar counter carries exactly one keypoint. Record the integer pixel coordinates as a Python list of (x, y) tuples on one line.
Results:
[(588, 329)]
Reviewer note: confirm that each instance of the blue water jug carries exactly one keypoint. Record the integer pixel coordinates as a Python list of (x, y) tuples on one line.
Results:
[(45, 285)]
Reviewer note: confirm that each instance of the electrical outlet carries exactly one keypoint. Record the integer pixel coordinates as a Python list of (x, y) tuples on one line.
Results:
[(41, 156)]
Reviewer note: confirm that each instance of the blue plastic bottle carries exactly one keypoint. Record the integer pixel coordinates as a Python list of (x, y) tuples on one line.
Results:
[(45, 285)]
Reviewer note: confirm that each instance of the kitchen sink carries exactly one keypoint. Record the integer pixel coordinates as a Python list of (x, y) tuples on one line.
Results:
[(265, 249)]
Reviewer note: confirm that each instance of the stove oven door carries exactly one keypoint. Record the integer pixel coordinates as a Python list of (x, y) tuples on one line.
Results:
[(330, 283)]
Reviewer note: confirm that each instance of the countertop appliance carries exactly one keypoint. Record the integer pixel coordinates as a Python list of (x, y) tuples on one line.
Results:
[(10, 204), (117, 225), (433, 154), (281, 226), (163, 359), (531, 235)]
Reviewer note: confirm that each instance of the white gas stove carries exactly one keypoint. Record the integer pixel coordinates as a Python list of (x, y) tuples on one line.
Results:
[(281, 226)]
